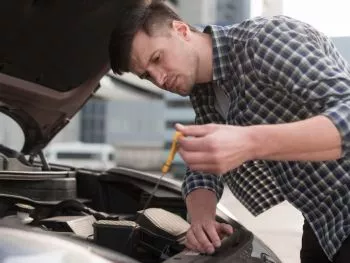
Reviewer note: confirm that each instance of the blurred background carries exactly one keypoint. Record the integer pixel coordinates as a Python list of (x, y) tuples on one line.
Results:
[(130, 122), (137, 118)]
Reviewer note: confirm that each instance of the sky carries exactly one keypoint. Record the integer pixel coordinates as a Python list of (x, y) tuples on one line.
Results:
[(332, 17)]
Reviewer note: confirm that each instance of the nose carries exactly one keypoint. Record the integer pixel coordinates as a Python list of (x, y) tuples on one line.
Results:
[(158, 76)]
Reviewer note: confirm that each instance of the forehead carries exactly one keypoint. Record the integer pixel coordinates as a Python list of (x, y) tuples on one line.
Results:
[(141, 49)]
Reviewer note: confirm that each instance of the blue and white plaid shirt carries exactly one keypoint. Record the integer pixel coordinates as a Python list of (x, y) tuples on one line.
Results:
[(281, 70)]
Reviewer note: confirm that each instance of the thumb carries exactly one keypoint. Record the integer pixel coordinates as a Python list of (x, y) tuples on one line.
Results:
[(195, 130), (225, 229)]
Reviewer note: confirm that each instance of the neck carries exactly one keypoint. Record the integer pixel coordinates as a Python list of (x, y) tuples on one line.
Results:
[(205, 58)]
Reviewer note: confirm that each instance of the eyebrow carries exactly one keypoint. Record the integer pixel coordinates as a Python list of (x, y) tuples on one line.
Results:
[(145, 72)]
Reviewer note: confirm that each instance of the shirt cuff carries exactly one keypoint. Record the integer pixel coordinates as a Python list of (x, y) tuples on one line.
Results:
[(340, 116), (196, 180)]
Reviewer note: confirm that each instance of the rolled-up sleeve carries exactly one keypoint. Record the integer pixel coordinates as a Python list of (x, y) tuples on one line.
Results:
[(203, 105), (196, 180), (295, 57), (340, 116)]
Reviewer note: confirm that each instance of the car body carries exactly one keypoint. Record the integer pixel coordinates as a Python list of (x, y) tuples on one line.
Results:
[(52, 56)]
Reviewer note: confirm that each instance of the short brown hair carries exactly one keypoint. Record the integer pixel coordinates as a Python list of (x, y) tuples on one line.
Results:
[(146, 17)]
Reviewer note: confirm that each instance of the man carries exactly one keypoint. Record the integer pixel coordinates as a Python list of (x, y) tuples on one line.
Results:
[(272, 103)]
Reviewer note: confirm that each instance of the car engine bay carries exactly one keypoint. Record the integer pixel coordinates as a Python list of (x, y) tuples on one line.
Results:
[(104, 208)]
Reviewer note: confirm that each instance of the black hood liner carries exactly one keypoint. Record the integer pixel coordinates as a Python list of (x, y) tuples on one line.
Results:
[(58, 43)]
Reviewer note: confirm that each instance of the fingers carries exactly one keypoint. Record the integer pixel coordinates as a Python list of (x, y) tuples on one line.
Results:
[(194, 144), (203, 238), (204, 243), (195, 130), (196, 137), (213, 236), (224, 230), (191, 241), (194, 157), (202, 161)]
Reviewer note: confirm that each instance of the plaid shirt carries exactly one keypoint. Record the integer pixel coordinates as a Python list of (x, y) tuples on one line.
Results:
[(280, 70)]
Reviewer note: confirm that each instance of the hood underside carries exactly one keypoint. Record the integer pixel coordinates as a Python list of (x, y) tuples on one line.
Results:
[(52, 55)]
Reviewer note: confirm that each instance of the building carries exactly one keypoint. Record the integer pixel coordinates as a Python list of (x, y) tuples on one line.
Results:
[(127, 113), (200, 12)]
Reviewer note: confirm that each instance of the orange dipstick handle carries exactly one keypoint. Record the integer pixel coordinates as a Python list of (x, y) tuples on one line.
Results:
[(173, 149)]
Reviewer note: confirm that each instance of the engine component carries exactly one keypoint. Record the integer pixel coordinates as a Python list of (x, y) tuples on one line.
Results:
[(39, 186), (115, 234), (79, 225)]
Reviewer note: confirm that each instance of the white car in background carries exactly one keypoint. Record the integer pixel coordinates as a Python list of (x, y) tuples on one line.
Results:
[(96, 156)]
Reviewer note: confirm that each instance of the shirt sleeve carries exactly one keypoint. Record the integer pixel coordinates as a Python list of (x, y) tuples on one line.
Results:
[(202, 101), (291, 55)]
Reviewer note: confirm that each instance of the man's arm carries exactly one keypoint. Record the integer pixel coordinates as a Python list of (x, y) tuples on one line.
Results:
[(201, 203), (307, 67), (217, 149), (315, 139), (205, 233), (202, 191)]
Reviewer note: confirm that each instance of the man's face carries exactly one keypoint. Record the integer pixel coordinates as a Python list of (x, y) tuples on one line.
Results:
[(166, 58)]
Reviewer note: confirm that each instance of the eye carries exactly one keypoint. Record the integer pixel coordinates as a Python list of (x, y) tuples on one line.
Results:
[(146, 75), (156, 58)]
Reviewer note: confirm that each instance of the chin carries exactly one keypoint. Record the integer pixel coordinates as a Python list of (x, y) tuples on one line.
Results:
[(183, 93)]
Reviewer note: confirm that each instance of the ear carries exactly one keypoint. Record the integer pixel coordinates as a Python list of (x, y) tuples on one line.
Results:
[(181, 28)]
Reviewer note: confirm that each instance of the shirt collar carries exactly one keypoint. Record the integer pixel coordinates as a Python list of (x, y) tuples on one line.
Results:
[(221, 60)]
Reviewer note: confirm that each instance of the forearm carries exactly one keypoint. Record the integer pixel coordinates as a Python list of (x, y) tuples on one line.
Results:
[(307, 156), (201, 203), (315, 139)]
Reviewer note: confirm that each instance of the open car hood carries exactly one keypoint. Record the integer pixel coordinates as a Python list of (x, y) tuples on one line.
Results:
[(52, 56)]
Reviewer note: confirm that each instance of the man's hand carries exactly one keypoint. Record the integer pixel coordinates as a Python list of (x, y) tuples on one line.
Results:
[(206, 235), (219, 148), (214, 148)]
